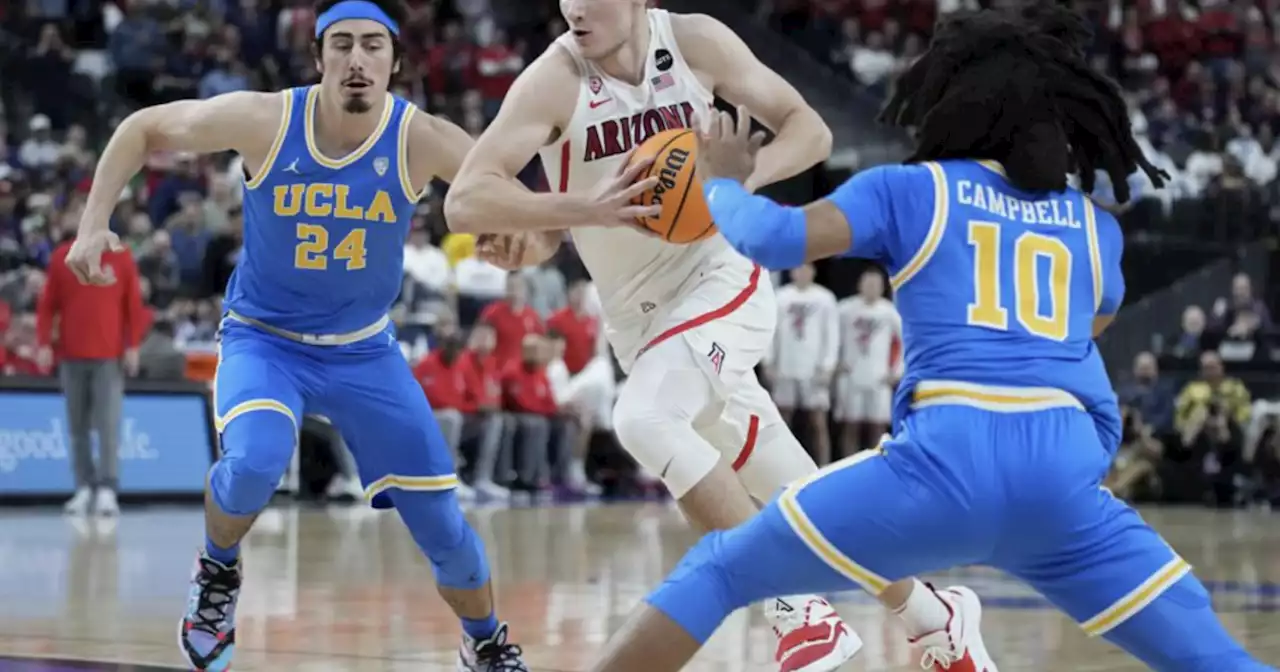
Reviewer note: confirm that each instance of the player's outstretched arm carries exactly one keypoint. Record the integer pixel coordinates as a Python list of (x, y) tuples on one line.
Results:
[(486, 196), (802, 138), (245, 122), (437, 149)]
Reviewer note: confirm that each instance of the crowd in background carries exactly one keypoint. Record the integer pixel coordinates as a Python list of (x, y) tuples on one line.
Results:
[(514, 364)]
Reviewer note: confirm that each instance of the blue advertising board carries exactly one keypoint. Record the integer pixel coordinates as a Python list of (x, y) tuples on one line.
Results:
[(165, 443)]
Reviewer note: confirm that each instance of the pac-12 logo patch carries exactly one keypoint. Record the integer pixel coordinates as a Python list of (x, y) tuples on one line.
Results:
[(716, 356), (596, 84), (380, 165)]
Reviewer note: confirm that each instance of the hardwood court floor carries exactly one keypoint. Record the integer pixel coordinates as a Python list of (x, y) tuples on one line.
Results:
[(345, 589)]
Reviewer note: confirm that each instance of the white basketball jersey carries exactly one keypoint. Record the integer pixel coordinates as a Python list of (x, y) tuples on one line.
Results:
[(870, 340), (807, 340), (634, 273)]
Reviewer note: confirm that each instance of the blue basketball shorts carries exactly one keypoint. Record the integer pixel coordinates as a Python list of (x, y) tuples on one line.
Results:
[(366, 389), (1006, 477)]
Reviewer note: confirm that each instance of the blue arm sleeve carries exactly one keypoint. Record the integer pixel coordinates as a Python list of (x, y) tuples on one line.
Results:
[(760, 229), (1111, 242), (866, 201)]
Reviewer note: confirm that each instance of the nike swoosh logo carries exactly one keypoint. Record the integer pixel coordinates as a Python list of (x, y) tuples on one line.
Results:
[(597, 103), (666, 466)]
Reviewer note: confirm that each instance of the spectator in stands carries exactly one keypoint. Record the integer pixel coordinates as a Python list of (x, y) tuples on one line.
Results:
[(485, 420), (578, 326), (39, 152), (222, 253), (159, 357), (1242, 299), (1189, 341), (1150, 396), (528, 398), (158, 263), (478, 282), (443, 377), (97, 335), (582, 399), (512, 319), (1135, 471)]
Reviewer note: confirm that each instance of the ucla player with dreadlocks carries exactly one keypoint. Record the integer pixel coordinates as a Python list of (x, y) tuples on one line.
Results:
[(333, 174), (1006, 422)]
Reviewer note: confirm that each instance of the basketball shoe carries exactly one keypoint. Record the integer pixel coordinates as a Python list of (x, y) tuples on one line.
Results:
[(811, 635), (494, 654), (207, 632), (958, 647)]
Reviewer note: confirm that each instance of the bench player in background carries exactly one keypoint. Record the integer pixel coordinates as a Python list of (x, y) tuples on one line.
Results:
[(1006, 421), (801, 362), (870, 364), (688, 323), (333, 173)]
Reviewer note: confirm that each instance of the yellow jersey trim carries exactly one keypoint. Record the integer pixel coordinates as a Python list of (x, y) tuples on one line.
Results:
[(941, 204), (265, 169), (1137, 599), (1095, 252), (993, 398), (406, 175), (313, 97)]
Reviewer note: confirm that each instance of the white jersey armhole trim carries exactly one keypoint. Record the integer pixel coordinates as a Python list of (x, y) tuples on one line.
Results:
[(286, 117), (411, 193)]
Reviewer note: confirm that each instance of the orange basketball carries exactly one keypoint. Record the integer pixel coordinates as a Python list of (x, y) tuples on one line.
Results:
[(684, 218)]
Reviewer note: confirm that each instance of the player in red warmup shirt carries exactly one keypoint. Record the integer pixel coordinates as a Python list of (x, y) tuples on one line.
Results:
[(512, 319)]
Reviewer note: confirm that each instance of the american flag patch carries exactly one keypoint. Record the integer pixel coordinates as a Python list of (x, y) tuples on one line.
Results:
[(663, 81)]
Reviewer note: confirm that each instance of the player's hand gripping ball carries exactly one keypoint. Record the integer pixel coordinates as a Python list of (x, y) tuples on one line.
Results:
[(684, 217)]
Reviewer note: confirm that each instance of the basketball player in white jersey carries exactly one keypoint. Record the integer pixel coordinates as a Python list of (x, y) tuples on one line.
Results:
[(870, 364), (688, 323), (803, 358)]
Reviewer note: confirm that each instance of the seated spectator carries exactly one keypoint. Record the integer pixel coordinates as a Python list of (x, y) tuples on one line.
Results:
[(527, 395), (512, 318), (485, 420), (444, 380), (159, 357), (1242, 298), (1210, 416), (1135, 471), (158, 263), (1149, 395), (1190, 340), (582, 398), (479, 283), (872, 63)]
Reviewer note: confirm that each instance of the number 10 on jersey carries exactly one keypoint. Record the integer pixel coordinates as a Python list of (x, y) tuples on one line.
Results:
[(312, 250), (987, 310)]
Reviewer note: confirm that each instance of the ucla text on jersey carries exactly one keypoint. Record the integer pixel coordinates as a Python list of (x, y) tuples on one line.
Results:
[(324, 237)]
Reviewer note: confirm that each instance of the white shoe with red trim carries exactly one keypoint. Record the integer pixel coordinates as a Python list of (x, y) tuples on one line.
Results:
[(958, 647), (811, 635)]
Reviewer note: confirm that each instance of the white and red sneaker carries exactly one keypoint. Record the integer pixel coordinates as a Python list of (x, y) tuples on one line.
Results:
[(811, 635), (957, 647)]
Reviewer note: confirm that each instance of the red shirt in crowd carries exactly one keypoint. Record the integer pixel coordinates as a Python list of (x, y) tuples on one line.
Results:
[(580, 331), (445, 383), (484, 380), (510, 325), (525, 389), (497, 66), (92, 321)]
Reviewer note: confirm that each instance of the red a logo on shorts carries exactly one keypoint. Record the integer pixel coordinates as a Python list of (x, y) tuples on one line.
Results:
[(716, 356)]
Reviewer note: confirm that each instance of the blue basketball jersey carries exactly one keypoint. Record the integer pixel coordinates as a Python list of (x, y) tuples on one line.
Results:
[(324, 237), (995, 286)]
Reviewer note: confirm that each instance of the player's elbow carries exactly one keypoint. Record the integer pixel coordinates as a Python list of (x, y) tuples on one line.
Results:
[(463, 206), (822, 140)]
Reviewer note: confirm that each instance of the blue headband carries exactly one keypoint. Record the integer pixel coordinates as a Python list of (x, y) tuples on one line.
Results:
[(355, 9)]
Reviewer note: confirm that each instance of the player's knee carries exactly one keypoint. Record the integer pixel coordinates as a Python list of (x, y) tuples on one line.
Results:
[(666, 446), (258, 447), (435, 521)]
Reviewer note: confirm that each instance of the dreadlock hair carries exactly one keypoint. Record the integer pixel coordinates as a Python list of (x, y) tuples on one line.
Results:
[(1013, 86)]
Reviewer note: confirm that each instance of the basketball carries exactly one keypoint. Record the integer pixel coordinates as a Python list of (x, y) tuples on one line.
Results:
[(685, 218)]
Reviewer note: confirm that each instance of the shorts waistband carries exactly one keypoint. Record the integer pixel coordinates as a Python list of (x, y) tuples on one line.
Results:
[(315, 339), (991, 397)]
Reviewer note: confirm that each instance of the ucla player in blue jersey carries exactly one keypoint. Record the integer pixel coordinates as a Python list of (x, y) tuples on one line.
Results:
[(333, 173), (1006, 422)]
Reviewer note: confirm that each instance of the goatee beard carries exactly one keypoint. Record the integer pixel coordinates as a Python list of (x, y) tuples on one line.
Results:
[(357, 105)]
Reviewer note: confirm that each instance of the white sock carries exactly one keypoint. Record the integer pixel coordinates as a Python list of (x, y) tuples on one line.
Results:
[(924, 611)]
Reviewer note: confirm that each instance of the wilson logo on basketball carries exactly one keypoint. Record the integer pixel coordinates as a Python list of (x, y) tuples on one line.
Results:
[(618, 136), (676, 159)]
